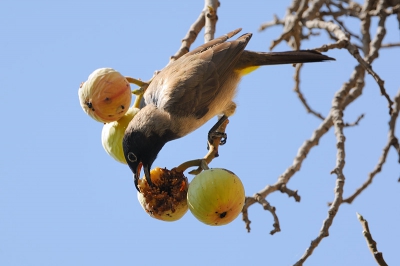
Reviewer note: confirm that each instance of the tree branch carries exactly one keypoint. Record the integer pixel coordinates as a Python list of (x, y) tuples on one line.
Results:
[(392, 141), (300, 94), (208, 19), (337, 119), (371, 242)]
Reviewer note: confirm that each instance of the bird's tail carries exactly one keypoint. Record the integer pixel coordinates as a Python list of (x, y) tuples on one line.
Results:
[(249, 61)]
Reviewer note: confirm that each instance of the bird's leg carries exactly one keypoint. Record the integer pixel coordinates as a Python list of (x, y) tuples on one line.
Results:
[(215, 133), (216, 137), (212, 153), (218, 131)]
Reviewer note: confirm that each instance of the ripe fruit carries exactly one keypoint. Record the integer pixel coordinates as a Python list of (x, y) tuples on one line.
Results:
[(113, 133), (216, 196), (166, 199), (106, 95)]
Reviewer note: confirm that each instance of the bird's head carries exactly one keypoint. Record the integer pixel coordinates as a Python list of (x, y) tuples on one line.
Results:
[(144, 137), (140, 151)]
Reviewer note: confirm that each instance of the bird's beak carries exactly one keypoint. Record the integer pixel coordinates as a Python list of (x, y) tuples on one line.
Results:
[(147, 174), (137, 175)]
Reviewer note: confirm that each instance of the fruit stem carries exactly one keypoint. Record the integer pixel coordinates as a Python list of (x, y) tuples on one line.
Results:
[(138, 99), (201, 163), (136, 81), (139, 92)]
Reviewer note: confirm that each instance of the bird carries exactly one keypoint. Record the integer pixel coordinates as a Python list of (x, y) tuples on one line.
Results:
[(192, 90)]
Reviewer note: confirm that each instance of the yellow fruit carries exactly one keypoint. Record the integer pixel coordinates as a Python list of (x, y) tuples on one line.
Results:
[(106, 95), (216, 196), (113, 133), (166, 199)]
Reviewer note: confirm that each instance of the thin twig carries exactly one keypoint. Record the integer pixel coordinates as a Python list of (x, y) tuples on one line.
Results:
[(300, 94), (269, 24), (272, 210), (190, 37), (355, 123), (390, 45), (392, 141), (291, 170), (292, 27), (337, 119), (207, 19), (344, 43), (371, 242)]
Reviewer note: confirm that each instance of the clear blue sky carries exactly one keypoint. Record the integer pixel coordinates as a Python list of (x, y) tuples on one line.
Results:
[(64, 201)]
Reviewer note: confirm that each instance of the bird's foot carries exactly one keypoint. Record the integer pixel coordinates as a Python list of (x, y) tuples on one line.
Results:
[(214, 135)]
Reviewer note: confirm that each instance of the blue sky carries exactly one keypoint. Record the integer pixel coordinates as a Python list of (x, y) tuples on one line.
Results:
[(64, 201)]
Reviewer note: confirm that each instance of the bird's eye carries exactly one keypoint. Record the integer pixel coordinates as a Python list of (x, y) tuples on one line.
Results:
[(132, 157)]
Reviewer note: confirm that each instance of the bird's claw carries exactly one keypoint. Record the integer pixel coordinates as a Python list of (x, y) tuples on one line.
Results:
[(211, 136), (223, 140)]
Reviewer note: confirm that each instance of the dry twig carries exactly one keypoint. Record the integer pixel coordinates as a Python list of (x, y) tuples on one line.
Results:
[(337, 119), (309, 15), (207, 19), (300, 94), (371, 242), (392, 141), (314, 16)]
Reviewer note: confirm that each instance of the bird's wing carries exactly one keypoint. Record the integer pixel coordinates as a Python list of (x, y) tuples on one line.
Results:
[(212, 43), (188, 86)]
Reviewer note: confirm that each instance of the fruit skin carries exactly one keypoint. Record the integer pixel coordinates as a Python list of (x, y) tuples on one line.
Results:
[(162, 205), (113, 133), (216, 196), (106, 95)]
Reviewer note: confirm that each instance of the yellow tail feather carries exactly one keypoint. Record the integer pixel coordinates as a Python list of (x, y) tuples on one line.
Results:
[(247, 70)]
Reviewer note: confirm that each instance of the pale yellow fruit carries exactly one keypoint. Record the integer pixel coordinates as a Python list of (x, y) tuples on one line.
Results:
[(106, 95), (166, 199), (113, 133), (216, 196)]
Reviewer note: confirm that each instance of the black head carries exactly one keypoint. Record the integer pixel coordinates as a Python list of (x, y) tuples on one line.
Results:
[(141, 151)]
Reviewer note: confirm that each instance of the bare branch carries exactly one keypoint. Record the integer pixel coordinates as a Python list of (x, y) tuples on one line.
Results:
[(335, 16), (211, 17), (371, 242), (308, 15), (292, 26), (374, 53), (272, 210), (392, 141), (390, 45), (337, 119), (290, 193), (269, 24), (300, 94), (313, 9), (345, 97), (344, 43), (208, 19), (291, 170), (354, 123), (332, 28), (365, 25), (245, 214), (190, 37)]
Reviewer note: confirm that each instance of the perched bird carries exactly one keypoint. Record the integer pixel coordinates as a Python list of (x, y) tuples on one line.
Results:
[(192, 90)]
